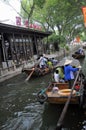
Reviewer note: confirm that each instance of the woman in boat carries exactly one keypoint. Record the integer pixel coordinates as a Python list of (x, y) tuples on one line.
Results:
[(69, 72)]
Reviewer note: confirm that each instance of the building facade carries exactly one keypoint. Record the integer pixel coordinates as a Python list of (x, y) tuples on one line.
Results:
[(19, 44)]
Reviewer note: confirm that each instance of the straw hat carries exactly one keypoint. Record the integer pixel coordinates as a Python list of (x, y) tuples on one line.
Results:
[(67, 61)]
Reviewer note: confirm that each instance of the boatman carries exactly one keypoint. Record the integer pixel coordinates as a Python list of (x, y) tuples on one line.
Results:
[(69, 72)]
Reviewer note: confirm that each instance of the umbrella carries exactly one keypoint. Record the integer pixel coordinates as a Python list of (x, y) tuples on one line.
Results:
[(73, 62)]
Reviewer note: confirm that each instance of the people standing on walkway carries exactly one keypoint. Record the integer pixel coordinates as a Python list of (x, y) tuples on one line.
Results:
[(69, 72)]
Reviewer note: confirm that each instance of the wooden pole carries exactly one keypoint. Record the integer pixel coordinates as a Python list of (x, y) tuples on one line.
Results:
[(4, 52), (30, 74), (60, 121)]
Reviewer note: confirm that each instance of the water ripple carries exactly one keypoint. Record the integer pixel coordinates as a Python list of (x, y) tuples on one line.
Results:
[(29, 119)]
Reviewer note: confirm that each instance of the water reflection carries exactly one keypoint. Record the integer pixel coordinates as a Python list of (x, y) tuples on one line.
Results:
[(27, 119), (73, 119), (50, 116), (19, 109)]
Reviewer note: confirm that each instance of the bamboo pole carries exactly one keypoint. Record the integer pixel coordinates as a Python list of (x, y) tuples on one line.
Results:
[(30, 74), (60, 121)]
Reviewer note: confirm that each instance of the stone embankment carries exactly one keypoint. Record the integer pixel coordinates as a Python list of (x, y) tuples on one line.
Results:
[(15, 71)]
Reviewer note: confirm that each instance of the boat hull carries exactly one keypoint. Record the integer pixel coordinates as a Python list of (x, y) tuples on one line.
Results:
[(58, 98), (37, 72), (78, 56), (62, 100)]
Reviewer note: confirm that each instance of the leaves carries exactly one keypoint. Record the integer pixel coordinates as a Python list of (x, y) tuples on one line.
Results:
[(64, 18)]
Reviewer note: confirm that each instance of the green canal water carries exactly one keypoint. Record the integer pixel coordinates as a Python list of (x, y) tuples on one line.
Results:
[(20, 110)]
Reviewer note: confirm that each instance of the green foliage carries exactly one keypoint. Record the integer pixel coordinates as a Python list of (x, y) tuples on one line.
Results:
[(39, 4), (56, 39), (53, 38), (29, 6), (67, 47), (83, 38), (64, 46), (63, 17)]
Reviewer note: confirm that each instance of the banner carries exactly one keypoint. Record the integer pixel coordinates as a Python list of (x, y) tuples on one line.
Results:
[(35, 26), (18, 21), (84, 14)]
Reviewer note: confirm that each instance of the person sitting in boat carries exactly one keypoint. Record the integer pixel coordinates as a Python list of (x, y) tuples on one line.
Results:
[(55, 89), (49, 63), (69, 72), (42, 62), (54, 61), (61, 73), (56, 76)]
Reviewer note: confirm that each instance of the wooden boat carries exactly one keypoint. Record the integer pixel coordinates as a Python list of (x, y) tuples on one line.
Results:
[(60, 96), (78, 56), (57, 93), (36, 71)]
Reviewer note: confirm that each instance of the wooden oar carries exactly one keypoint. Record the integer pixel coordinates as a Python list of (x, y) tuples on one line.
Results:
[(30, 75), (60, 121)]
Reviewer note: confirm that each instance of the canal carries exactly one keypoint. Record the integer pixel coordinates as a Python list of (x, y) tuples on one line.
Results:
[(20, 110)]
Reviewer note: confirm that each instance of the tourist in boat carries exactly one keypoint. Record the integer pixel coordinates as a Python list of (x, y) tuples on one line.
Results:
[(54, 61), (49, 64), (42, 62), (55, 89), (61, 73), (56, 76), (69, 72)]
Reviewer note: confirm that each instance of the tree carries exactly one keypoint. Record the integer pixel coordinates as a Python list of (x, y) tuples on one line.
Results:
[(63, 16), (28, 7)]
